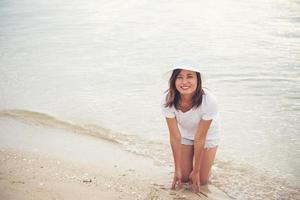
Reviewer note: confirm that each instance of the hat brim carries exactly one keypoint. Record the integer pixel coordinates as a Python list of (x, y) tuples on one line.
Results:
[(168, 73), (189, 68)]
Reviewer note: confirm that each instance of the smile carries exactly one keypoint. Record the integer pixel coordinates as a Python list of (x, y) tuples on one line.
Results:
[(185, 87)]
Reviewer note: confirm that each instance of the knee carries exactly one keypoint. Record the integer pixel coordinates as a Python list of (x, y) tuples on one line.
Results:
[(203, 181), (185, 179)]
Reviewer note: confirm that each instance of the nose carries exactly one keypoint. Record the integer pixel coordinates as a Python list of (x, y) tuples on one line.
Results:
[(184, 81)]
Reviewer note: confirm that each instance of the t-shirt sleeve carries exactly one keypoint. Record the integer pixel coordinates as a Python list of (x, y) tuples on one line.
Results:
[(166, 111), (210, 108)]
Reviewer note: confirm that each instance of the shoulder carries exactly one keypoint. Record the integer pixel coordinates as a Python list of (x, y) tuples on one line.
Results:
[(209, 101), (210, 107), (163, 98), (209, 97), (168, 112)]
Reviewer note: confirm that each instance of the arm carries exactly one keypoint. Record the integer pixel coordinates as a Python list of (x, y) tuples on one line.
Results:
[(199, 142), (175, 141)]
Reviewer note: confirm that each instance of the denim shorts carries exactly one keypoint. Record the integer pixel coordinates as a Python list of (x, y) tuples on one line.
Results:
[(208, 143)]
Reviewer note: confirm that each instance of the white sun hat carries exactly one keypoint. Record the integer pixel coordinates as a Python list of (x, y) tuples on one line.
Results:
[(183, 64), (187, 65)]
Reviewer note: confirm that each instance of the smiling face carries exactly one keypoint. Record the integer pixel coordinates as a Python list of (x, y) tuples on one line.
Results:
[(186, 82)]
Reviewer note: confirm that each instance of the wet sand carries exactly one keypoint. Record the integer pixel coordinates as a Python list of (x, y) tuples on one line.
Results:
[(39, 162)]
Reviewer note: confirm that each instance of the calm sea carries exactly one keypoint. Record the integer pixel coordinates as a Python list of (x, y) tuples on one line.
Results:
[(101, 64)]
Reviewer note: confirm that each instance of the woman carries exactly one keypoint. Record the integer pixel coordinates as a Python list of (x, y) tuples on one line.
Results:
[(193, 123)]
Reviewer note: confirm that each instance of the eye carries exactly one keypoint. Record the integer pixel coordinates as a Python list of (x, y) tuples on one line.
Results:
[(179, 77), (190, 76)]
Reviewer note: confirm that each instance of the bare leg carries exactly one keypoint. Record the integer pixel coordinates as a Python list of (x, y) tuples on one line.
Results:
[(206, 164), (187, 154)]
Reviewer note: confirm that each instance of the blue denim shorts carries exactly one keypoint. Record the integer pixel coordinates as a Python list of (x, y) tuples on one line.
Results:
[(208, 143)]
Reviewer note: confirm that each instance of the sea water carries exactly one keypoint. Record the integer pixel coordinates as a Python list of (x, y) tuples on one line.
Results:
[(101, 64)]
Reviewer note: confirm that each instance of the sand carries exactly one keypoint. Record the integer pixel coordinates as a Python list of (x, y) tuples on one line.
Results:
[(39, 162), (27, 175)]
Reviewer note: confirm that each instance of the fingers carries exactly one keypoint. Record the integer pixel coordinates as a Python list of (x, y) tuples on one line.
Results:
[(195, 184), (176, 183), (179, 182), (173, 184), (196, 188)]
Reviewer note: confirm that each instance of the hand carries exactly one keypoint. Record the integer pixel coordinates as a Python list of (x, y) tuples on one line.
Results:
[(177, 179), (195, 180)]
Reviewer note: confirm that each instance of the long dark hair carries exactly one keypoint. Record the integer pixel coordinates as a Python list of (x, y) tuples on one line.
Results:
[(173, 96)]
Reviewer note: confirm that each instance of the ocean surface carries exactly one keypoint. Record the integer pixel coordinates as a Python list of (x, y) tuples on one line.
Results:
[(96, 67)]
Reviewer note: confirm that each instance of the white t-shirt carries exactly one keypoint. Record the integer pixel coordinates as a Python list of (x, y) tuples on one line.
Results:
[(188, 121)]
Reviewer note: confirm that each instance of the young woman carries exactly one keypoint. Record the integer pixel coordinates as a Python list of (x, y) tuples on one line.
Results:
[(193, 122)]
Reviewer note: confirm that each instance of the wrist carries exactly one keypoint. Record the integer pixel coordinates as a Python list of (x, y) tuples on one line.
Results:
[(196, 170), (177, 169)]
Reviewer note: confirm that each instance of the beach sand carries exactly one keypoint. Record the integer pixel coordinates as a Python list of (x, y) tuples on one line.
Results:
[(39, 162)]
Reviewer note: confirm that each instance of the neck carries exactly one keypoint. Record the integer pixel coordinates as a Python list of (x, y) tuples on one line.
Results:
[(186, 98)]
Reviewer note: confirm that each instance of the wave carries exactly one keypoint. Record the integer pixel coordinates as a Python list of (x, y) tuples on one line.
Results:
[(289, 77), (242, 181), (239, 181), (48, 120), (132, 143), (254, 78)]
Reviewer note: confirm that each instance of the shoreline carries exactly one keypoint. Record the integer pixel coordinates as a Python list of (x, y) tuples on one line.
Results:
[(52, 138), (39, 162), (27, 175)]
